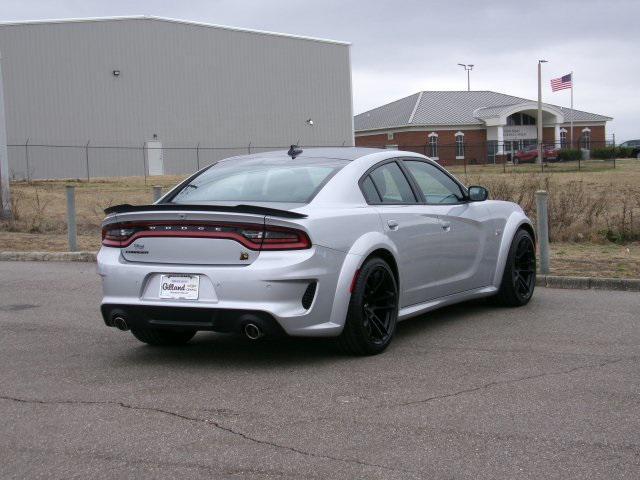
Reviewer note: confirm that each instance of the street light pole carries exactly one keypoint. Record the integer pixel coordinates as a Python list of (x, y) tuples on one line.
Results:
[(540, 147), (468, 68)]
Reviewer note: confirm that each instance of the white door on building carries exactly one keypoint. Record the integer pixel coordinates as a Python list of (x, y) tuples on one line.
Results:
[(155, 158)]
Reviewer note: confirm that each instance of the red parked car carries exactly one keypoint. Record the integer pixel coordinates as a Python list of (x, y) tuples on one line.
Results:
[(530, 154)]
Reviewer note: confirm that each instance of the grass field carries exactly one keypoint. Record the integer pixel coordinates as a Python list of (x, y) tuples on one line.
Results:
[(594, 213), (585, 166), (587, 206)]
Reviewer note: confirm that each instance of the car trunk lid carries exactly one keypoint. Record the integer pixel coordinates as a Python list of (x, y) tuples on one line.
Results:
[(189, 234)]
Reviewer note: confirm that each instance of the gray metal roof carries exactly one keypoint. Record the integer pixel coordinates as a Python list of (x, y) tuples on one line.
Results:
[(448, 108), (171, 20)]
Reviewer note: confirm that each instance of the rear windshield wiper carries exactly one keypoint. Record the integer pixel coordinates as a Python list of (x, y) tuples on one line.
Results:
[(254, 209)]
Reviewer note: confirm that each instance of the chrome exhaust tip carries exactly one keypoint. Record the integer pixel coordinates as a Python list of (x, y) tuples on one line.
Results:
[(120, 323), (253, 331)]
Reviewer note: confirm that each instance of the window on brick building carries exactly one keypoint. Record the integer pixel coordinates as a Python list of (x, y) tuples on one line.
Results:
[(459, 145), (585, 139), (433, 145), (563, 138), (390, 136)]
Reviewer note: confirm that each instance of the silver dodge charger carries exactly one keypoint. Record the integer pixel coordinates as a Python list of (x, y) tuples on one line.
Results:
[(320, 242)]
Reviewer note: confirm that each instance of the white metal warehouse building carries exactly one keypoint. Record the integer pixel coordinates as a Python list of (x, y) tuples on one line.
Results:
[(82, 97)]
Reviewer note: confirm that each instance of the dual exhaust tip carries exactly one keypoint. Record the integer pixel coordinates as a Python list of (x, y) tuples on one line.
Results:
[(252, 331)]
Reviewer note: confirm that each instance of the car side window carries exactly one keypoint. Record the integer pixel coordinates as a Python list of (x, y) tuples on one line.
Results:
[(392, 185), (437, 187), (369, 191)]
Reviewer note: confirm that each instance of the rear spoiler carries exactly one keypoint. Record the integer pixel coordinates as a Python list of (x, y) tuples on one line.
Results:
[(162, 207)]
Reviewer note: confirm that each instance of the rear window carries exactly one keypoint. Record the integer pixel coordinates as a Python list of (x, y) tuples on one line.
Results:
[(244, 182)]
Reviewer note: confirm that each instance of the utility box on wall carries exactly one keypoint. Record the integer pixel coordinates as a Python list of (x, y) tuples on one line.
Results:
[(154, 158)]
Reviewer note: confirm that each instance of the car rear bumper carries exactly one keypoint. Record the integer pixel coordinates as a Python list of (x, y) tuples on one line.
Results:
[(271, 288), (188, 318)]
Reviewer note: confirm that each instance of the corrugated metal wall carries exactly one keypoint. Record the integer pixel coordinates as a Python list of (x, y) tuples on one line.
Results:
[(186, 83)]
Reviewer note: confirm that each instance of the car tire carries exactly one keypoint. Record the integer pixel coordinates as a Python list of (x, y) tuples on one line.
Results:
[(519, 277), (162, 338), (373, 310)]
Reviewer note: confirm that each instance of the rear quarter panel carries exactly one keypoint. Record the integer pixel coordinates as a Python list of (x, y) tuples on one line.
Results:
[(356, 231)]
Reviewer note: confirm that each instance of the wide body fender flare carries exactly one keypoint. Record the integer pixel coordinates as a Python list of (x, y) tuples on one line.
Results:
[(360, 250), (515, 221)]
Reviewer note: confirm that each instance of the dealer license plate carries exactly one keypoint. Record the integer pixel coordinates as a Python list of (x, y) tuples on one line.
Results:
[(179, 286)]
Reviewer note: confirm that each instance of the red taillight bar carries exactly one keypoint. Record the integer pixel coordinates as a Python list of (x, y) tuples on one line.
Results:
[(252, 236)]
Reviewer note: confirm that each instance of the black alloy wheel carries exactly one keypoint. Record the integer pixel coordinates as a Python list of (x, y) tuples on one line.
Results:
[(373, 310), (379, 307), (524, 268), (519, 278)]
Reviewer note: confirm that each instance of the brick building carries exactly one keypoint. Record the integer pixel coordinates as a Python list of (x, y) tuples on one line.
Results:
[(474, 127)]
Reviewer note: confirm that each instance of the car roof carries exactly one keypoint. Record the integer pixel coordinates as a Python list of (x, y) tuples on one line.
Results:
[(313, 153)]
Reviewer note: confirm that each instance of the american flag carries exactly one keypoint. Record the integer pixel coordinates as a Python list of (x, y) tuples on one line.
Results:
[(559, 83)]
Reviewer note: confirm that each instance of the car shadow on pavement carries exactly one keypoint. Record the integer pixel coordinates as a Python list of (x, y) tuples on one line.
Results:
[(209, 349)]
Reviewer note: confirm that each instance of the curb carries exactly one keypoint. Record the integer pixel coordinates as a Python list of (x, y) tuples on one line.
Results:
[(549, 281), (586, 283), (48, 256)]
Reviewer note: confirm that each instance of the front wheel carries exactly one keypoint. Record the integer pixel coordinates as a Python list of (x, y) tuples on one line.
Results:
[(519, 277), (373, 310), (164, 338)]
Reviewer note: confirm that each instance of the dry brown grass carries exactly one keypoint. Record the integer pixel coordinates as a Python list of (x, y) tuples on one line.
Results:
[(600, 206), (596, 260), (40, 206)]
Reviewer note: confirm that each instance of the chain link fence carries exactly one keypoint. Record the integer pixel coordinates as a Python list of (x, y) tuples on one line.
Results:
[(32, 161)]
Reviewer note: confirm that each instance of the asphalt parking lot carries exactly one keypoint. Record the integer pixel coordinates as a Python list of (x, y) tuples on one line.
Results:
[(551, 390)]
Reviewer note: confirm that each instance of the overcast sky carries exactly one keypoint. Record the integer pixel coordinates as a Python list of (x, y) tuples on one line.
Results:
[(401, 47)]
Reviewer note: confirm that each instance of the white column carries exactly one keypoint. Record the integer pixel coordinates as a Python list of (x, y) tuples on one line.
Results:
[(556, 135), (500, 138)]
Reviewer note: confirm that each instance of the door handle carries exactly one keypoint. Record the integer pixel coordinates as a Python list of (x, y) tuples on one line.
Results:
[(393, 225)]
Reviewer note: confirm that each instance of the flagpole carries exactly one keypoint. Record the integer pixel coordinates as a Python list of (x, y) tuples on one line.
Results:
[(539, 120), (571, 136)]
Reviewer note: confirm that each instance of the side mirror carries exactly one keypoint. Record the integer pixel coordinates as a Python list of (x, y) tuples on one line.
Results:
[(478, 194)]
